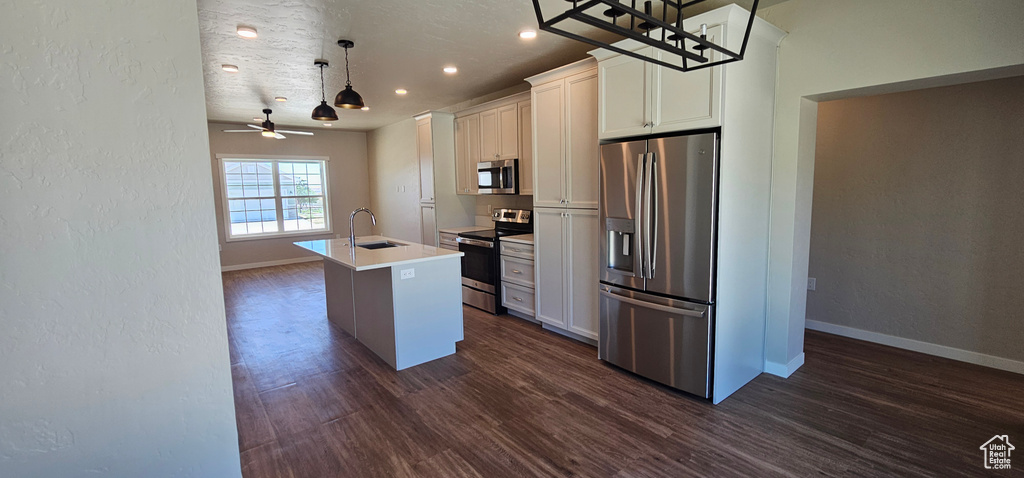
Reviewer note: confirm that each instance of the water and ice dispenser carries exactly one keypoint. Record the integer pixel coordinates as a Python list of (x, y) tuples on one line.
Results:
[(620, 234)]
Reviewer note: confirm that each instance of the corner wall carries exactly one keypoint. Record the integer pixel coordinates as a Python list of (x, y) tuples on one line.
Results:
[(113, 341), (916, 221), (349, 183), (838, 49)]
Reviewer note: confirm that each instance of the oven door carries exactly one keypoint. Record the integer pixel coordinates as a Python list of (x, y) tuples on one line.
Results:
[(497, 177), (478, 270)]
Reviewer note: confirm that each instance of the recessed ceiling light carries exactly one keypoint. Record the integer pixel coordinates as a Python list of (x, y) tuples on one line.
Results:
[(246, 32), (327, 124), (365, 108), (528, 34), (257, 118), (451, 70), (280, 98), (401, 91), (229, 68)]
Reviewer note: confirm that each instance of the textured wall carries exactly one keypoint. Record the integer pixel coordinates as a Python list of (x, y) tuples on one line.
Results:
[(916, 225), (349, 182), (113, 345), (839, 46), (394, 165)]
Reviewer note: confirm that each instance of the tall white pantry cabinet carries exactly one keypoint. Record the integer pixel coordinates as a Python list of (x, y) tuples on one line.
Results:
[(440, 206), (566, 159)]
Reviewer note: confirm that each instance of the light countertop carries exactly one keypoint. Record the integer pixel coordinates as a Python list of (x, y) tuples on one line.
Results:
[(457, 230), (360, 259), (522, 239)]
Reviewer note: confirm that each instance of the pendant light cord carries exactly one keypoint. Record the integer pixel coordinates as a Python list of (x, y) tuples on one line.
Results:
[(323, 95), (348, 79)]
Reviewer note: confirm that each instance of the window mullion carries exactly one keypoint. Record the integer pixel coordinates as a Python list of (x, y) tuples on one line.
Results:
[(278, 201)]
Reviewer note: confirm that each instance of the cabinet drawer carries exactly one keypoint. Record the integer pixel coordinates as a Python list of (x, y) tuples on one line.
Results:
[(515, 249), (516, 270), (448, 239), (451, 247), (517, 298)]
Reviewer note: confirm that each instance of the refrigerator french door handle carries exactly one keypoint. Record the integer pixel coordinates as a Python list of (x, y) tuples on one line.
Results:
[(639, 240), (648, 218), (650, 305)]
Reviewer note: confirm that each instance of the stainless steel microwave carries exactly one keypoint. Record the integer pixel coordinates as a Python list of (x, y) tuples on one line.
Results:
[(498, 177)]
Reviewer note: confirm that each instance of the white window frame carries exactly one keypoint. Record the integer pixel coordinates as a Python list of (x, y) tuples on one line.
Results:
[(278, 198)]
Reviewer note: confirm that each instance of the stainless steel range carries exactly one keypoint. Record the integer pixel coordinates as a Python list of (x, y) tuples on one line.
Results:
[(480, 277)]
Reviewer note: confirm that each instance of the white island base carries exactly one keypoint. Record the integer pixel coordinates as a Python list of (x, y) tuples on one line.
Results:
[(405, 321)]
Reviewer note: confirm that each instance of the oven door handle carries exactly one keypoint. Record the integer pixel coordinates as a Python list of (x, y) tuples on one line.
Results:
[(474, 242)]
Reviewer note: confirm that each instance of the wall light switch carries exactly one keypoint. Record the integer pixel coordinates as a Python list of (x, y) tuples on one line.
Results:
[(408, 273), (811, 283)]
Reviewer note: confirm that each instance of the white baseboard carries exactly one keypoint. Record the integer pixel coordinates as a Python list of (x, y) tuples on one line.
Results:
[(918, 346), (784, 370), (257, 265)]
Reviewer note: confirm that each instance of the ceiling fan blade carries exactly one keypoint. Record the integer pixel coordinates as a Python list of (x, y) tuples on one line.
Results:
[(254, 126), (305, 133), (278, 136), (239, 131)]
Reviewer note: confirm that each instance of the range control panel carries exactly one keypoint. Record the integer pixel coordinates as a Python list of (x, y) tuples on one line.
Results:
[(519, 216)]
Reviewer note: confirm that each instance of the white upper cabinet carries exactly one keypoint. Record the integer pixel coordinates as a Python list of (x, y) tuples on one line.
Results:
[(566, 153), (488, 135), (425, 152), (525, 148), (508, 131), (548, 145), (467, 153), (625, 96), (691, 100), (638, 97), (582, 148)]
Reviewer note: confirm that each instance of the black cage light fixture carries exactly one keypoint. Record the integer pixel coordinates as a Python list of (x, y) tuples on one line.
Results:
[(348, 98), (622, 17), (323, 112)]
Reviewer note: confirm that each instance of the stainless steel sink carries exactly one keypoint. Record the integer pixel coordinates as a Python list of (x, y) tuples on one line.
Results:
[(379, 245)]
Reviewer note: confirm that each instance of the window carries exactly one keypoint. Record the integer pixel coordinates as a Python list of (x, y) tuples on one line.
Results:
[(274, 197)]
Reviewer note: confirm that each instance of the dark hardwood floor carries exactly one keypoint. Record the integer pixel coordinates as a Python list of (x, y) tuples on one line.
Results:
[(516, 400)]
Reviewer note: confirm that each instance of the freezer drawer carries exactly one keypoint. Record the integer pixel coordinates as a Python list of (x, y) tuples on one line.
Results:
[(662, 339)]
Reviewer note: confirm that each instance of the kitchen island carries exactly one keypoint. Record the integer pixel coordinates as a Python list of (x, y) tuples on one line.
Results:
[(402, 300)]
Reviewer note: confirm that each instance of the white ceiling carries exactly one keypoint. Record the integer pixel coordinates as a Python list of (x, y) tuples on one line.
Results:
[(399, 44)]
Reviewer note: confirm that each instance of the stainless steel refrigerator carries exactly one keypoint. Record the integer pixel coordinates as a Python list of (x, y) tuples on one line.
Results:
[(658, 210)]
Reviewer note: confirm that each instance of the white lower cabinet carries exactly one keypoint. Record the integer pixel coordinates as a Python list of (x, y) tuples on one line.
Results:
[(517, 274), (565, 267), (428, 225)]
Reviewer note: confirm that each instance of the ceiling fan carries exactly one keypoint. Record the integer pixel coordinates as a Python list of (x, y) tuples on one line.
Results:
[(267, 128)]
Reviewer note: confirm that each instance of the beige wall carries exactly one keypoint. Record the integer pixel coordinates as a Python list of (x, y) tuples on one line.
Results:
[(113, 345), (393, 165), (916, 227), (842, 48), (349, 182)]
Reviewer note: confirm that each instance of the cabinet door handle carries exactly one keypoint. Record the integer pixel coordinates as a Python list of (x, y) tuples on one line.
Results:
[(520, 299), (515, 271)]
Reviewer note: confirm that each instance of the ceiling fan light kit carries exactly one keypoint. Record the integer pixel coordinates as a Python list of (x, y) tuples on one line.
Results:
[(323, 112), (266, 129), (348, 98), (623, 18)]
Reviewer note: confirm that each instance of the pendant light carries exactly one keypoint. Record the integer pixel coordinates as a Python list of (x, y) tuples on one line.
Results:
[(348, 98), (323, 112)]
